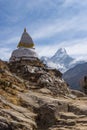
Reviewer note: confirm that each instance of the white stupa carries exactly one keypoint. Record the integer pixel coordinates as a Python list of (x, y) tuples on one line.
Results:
[(25, 49)]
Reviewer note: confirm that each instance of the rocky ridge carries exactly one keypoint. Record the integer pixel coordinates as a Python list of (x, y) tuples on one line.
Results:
[(34, 97)]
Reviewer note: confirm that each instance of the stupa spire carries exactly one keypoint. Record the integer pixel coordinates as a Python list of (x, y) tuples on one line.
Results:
[(24, 29), (26, 40)]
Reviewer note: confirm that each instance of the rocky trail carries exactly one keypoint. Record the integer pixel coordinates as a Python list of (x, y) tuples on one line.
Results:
[(34, 97)]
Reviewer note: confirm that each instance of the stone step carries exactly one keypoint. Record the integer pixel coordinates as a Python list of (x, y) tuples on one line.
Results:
[(67, 115), (82, 120), (63, 122), (81, 127)]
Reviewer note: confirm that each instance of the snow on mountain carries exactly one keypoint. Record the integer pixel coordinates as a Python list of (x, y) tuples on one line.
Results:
[(59, 54), (44, 59), (61, 60), (62, 57)]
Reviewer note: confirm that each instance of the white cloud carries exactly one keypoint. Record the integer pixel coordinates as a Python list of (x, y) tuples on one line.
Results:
[(77, 23), (47, 28), (76, 48), (11, 40), (5, 53), (77, 2)]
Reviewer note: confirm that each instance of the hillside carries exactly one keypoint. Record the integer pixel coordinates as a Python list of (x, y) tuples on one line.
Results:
[(34, 97), (75, 75)]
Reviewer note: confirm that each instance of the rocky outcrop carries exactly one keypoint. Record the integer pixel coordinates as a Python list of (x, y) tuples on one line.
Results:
[(42, 77), (34, 97)]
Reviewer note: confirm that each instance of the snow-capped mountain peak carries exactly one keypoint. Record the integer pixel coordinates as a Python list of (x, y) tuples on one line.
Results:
[(61, 57), (60, 60), (61, 50), (60, 53)]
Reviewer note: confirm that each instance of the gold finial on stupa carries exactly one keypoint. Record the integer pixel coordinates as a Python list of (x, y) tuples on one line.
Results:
[(24, 29)]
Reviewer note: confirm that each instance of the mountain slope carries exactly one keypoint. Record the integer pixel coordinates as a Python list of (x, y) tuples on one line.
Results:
[(61, 61), (33, 97), (74, 75)]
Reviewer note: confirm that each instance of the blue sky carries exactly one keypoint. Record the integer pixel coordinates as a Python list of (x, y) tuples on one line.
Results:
[(51, 23)]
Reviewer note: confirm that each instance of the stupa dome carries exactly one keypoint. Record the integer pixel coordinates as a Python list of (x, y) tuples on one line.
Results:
[(26, 40), (23, 54)]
